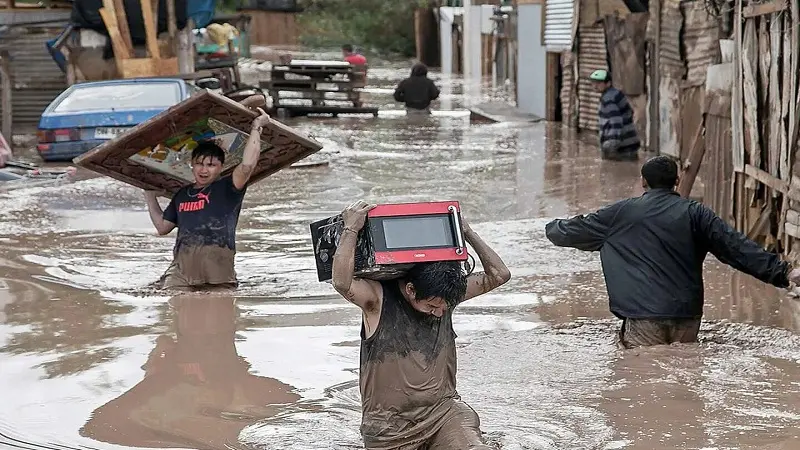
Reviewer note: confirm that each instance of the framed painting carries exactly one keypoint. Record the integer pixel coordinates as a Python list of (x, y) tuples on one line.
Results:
[(156, 154)]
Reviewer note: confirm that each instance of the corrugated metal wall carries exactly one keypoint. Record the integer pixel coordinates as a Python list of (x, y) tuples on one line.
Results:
[(558, 25), (37, 80), (591, 56), (716, 170)]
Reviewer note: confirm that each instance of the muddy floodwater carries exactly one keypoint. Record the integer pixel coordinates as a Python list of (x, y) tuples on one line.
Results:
[(90, 358)]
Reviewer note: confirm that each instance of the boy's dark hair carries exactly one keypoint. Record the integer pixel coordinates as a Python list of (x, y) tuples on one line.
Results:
[(660, 172), (347, 48), (443, 279), (208, 149)]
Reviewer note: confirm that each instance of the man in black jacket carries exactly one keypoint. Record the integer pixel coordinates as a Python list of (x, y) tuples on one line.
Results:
[(652, 250), (417, 91)]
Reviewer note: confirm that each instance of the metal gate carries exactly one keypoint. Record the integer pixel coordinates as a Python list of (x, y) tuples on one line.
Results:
[(36, 78), (592, 55), (558, 25)]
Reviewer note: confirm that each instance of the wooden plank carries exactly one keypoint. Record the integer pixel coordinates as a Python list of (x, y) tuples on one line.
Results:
[(654, 141), (150, 30), (764, 58), (155, 4), (793, 107), (122, 22), (738, 198), (786, 99), (6, 87), (786, 104), (172, 25), (148, 67), (749, 61), (737, 107), (110, 21), (764, 8), (693, 162), (775, 102), (772, 182), (761, 227)]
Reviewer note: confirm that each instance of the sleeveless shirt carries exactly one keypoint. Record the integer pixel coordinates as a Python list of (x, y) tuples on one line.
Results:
[(408, 373)]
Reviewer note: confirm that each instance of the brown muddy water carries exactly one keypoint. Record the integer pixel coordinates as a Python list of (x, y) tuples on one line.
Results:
[(90, 359)]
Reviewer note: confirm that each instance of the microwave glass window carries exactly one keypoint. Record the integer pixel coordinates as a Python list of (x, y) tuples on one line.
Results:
[(415, 232)]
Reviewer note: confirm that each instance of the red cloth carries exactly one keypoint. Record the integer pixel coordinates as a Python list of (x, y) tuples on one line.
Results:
[(356, 59)]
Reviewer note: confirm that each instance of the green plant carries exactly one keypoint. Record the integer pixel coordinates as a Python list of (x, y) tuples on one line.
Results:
[(380, 26)]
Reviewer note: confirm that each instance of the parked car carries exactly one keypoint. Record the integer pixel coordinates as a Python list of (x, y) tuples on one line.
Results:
[(87, 114)]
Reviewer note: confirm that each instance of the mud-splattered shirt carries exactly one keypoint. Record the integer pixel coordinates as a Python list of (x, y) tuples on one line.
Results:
[(206, 220), (206, 216), (408, 374)]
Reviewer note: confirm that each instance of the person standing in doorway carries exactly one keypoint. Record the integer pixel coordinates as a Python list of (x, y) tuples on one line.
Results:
[(619, 139), (417, 91), (407, 373), (206, 214), (652, 250)]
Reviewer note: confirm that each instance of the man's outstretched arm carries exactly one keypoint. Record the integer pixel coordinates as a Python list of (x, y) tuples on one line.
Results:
[(495, 273), (734, 249), (587, 232)]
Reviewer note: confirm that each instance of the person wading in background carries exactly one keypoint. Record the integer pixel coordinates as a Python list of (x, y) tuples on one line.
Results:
[(417, 91), (359, 75), (206, 214), (618, 137), (652, 250), (408, 364), (352, 57)]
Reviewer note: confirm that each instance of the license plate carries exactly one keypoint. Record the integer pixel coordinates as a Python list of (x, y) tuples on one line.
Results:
[(109, 133)]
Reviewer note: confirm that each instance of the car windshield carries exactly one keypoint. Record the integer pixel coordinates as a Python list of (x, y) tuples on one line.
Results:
[(120, 96)]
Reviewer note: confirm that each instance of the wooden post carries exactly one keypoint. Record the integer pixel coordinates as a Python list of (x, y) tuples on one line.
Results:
[(172, 25), (418, 33), (737, 108), (737, 122), (655, 81), (185, 50), (693, 160), (6, 87), (122, 25), (151, 32)]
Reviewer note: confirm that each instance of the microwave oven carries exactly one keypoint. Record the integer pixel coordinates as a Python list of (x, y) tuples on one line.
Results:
[(394, 238)]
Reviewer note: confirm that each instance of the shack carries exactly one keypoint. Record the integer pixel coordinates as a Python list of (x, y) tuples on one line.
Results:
[(714, 84)]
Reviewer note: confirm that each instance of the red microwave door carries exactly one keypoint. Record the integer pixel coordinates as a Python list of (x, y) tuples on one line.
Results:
[(416, 232), (413, 209)]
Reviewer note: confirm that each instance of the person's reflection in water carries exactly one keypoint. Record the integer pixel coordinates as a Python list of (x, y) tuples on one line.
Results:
[(197, 391)]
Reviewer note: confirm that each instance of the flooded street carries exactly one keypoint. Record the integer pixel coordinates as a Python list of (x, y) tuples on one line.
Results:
[(92, 358)]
